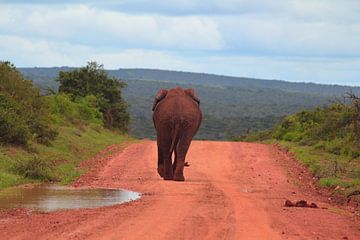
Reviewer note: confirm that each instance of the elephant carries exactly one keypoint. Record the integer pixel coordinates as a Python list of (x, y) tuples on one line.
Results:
[(177, 117)]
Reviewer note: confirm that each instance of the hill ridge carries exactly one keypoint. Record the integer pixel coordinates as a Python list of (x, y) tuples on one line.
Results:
[(231, 106), (184, 77)]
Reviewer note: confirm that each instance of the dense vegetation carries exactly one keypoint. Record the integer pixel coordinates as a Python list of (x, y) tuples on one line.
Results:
[(43, 77), (331, 129), (24, 113), (323, 134), (326, 139), (231, 106), (93, 80), (45, 137), (228, 81)]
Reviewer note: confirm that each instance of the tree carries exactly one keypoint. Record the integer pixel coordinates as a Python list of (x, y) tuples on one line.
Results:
[(356, 115), (94, 80), (24, 113)]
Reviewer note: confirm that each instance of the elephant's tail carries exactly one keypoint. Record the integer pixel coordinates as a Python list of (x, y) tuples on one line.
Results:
[(175, 136)]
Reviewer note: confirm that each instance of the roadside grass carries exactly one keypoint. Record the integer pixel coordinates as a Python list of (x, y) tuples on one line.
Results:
[(9, 179), (56, 162), (325, 139), (337, 172)]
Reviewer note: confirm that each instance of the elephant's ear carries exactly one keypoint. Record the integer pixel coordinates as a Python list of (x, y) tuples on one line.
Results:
[(161, 94), (191, 92)]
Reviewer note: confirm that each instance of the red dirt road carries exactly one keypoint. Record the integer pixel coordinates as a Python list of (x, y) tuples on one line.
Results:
[(232, 191)]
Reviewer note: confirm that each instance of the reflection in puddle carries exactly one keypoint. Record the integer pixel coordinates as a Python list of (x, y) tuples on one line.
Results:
[(51, 197)]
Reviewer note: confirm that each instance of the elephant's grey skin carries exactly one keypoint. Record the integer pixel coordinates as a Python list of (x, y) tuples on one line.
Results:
[(177, 117)]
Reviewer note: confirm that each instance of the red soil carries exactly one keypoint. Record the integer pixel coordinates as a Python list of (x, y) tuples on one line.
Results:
[(232, 191)]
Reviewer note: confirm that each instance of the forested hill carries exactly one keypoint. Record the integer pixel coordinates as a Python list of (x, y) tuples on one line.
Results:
[(219, 80), (231, 105), (201, 79)]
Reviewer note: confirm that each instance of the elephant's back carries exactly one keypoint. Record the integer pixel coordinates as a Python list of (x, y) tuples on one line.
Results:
[(178, 108)]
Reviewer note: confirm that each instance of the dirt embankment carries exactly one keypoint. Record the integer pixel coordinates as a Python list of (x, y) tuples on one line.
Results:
[(232, 191)]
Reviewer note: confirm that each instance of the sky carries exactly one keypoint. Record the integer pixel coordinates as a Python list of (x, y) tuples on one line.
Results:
[(294, 40)]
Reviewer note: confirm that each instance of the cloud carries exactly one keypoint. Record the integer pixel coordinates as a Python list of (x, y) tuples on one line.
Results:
[(33, 52), (280, 36), (290, 29), (292, 40), (169, 7), (305, 9), (85, 25)]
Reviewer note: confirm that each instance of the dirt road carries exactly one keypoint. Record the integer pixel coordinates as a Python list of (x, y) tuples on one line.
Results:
[(232, 191)]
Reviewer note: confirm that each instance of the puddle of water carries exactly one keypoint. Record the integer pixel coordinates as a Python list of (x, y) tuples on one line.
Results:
[(51, 197)]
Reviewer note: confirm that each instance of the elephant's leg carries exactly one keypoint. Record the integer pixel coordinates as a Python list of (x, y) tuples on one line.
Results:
[(177, 176), (168, 171), (165, 145), (180, 154), (160, 167)]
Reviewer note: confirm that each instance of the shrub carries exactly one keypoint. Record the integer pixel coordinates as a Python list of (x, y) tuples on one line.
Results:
[(84, 110), (320, 145), (292, 136), (335, 146), (24, 114), (34, 168), (63, 110), (88, 108), (93, 80), (330, 128), (13, 128)]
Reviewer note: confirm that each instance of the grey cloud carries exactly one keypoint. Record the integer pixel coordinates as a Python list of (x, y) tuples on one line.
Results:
[(173, 7), (303, 10)]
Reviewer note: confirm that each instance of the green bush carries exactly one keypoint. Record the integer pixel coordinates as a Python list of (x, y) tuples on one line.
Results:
[(24, 114), (63, 110), (66, 111), (34, 168), (94, 80), (335, 146), (326, 140), (292, 136), (29, 119), (320, 145), (88, 108), (13, 128), (330, 128)]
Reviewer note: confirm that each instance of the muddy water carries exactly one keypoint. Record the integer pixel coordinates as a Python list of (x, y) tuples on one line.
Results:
[(51, 197)]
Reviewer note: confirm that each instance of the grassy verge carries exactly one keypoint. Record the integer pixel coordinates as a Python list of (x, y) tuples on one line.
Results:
[(58, 161), (326, 140), (334, 171)]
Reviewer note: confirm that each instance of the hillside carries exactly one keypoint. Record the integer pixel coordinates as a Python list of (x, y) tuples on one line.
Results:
[(220, 80), (42, 75), (231, 105), (45, 138), (326, 140)]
